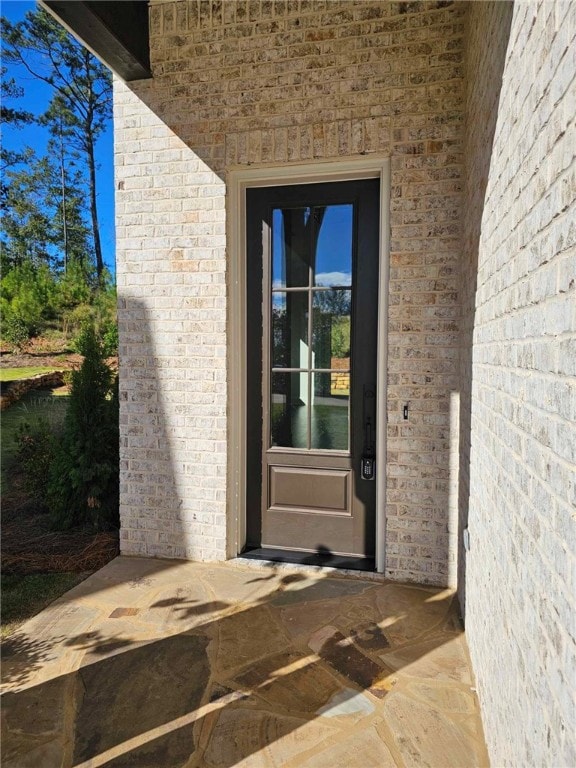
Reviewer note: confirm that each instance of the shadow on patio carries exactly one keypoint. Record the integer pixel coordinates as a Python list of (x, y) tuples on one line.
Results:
[(223, 665)]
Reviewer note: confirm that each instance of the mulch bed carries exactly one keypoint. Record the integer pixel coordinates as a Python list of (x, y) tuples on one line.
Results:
[(29, 545), (23, 360), (59, 361)]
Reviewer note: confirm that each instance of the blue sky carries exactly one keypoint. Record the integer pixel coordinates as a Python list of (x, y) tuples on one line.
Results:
[(333, 257), (35, 100)]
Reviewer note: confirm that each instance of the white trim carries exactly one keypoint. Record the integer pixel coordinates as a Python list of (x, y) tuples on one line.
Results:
[(239, 180)]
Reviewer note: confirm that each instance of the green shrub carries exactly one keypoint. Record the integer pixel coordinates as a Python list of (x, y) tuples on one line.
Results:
[(34, 457), (341, 337), (15, 332), (83, 484), (101, 314), (110, 339), (73, 287), (107, 334), (74, 320), (26, 299), (83, 336), (106, 320)]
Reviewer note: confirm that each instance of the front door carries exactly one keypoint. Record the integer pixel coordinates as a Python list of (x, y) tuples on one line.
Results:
[(312, 281)]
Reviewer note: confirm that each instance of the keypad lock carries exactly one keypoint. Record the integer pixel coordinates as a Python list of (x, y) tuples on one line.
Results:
[(367, 467)]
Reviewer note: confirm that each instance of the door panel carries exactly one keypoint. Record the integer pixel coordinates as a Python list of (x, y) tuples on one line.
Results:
[(294, 488), (312, 312)]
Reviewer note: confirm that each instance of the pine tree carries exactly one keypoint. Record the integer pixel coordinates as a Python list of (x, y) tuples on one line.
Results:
[(81, 104), (33, 213), (17, 118)]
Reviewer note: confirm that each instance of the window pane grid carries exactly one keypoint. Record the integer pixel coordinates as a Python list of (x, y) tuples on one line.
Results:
[(310, 402), (310, 370), (313, 288)]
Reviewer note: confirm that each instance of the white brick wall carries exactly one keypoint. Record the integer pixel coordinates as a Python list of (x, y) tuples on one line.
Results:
[(483, 78), (172, 315), (520, 579), (255, 81)]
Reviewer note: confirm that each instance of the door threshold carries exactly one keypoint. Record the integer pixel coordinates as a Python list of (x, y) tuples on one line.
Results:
[(323, 560)]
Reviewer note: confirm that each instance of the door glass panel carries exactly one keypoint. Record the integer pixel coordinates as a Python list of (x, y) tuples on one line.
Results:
[(291, 241), (311, 268), (289, 412), (290, 329), (331, 329), (329, 415), (333, 262)]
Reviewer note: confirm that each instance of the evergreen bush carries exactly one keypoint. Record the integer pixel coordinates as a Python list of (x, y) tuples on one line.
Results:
[(34, 456), (110, 339), (83, 486)]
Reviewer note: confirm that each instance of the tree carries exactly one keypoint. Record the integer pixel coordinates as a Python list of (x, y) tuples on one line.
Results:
[(10, 90), (40, 224), (81, 104), (28, 234), (83, 484), (50, 231), (15, 117)]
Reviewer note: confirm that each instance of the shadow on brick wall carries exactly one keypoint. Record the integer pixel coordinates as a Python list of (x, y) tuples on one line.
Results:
[(151, 501), (484, 83)]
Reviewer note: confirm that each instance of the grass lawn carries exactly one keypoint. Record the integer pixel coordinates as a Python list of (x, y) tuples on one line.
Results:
[(13, 374), (25, 595)]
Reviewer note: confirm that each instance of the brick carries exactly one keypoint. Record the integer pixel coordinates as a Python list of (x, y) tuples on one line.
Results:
[(517, 380), (290, 82), (296, 84)]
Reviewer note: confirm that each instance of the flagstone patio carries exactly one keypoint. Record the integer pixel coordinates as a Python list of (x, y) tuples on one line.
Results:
[(159, 664)]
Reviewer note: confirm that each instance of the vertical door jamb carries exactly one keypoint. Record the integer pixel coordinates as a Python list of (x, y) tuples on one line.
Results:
[(382, 369)]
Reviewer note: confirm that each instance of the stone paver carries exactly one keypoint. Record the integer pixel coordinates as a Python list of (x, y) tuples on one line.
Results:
[(165, 664)]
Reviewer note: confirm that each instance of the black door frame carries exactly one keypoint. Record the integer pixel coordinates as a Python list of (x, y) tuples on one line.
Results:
[(355, 531)]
